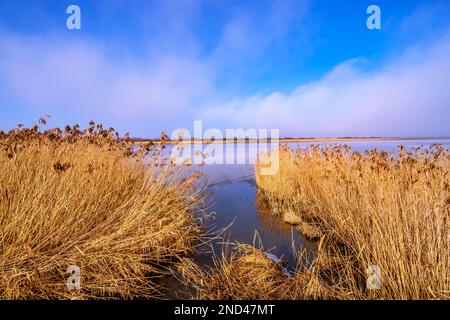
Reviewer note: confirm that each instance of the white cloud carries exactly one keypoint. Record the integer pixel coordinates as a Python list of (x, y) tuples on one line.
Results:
[(54, 75), (76, 81), (407, 96)]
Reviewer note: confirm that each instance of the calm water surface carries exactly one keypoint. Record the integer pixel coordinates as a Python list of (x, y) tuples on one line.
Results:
[(233, 201)]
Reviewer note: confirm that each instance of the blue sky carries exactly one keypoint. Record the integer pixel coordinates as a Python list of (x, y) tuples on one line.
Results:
[(306, 67)]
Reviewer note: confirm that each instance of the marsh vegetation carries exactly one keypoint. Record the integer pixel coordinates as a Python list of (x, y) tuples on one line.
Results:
[(89, 198), (374, 208), (129, 218)]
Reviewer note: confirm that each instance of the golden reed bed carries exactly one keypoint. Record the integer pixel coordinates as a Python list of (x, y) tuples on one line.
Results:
[(88, 198), (388, 210), (123, 215), (372, 211)]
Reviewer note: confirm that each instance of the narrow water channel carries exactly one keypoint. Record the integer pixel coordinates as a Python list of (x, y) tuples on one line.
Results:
[(238, 213)]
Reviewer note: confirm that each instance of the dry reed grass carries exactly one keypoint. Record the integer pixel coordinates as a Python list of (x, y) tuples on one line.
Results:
[(89, 198), (374, 208), (244, 272)]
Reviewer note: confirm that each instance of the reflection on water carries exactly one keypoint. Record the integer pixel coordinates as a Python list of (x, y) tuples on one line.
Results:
[(241, 210), (238, 208), (233, 195), (231, 172)]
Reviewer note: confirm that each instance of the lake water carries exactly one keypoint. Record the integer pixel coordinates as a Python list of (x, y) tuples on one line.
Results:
[(233, 201)]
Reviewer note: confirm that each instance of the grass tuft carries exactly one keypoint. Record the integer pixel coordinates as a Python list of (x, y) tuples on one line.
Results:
[(389, 210), (92, 199)]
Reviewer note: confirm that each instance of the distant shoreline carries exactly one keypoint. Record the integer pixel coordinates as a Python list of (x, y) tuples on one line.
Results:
[(289, 140)]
